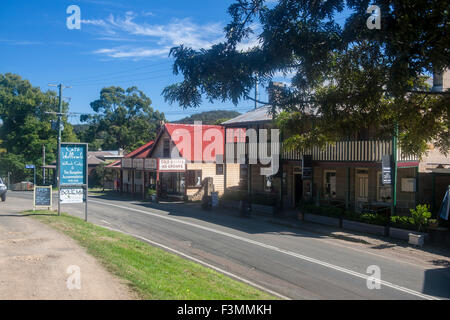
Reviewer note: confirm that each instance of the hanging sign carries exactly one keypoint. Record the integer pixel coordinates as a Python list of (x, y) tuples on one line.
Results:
[(71, 195), (386, 169)]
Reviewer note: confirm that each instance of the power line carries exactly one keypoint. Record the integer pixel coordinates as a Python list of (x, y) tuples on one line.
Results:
[(115, 72), (117, 76)]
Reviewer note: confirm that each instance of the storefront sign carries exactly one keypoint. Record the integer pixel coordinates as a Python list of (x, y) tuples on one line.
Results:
[(138, 163), (307, 167), (71, 195), (150, 164), (386, 169), (127, 163), (73, 164), (172, 164)]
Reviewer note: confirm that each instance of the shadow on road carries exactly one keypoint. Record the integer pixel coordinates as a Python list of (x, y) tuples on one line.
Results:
[(437, 282)]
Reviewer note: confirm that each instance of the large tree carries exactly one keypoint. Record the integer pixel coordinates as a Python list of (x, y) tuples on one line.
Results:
[(344, 78), (26, 124), (124, 119)]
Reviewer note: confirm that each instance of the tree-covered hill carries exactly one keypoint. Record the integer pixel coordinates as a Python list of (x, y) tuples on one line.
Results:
[(209, 117)]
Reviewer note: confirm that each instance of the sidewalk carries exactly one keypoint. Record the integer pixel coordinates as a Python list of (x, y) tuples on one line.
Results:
[(34, 260)]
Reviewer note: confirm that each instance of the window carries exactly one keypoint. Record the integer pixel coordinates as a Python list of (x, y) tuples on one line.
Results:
[(219, 169), (138, 175), (166, 148), (193, 178), (383, 191), (267, 183), (330, 184)]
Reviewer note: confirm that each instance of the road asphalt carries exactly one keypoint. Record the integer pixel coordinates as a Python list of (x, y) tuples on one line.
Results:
[(291, 262)]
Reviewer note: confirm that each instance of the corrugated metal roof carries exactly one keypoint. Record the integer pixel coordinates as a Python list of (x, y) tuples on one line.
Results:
[(259, 115)]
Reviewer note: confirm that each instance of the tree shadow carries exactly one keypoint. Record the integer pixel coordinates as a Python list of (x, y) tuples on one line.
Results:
[(437, 282)]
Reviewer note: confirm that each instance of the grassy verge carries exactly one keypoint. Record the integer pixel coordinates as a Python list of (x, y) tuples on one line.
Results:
[(151, 272)]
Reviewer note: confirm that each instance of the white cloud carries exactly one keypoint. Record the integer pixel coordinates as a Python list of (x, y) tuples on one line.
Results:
[(161, 37), (126, 52)]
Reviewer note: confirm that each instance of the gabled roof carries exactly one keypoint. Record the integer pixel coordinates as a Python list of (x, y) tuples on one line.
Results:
[(115, 164), (260, 115), (141, 152), (171, 129)]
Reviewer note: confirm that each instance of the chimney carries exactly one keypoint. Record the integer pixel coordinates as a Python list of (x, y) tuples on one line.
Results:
[(274, 91), (441, 80)]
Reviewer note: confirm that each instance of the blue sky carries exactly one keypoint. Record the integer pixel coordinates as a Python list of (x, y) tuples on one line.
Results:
[(121, 43)]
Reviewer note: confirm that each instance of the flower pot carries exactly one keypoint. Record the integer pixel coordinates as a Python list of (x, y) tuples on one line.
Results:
[(416, 239)]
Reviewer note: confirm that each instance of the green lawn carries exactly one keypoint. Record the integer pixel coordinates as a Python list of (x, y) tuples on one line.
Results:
[(153, 273)]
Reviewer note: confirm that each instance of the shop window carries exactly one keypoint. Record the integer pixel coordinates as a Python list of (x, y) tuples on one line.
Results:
[(166, 148), (267, 183), (219, 169), (330, 184), (193, 178), (138, 175), (383, 191)]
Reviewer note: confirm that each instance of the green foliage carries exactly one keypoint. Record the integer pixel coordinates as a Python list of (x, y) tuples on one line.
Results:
[(345, 78), (371, 218), (403, 222), (26, 125), (420, 215), (101, 174), (125, 120), (210, 117)]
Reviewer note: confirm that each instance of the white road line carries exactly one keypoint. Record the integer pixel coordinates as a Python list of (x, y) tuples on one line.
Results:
[(277, 249), (105, 222), (203, 263)]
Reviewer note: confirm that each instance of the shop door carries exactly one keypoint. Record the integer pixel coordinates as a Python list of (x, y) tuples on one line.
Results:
[(362, 190)]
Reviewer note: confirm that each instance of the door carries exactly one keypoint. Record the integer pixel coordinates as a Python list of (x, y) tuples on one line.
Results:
[(362, 188), (298, 188)]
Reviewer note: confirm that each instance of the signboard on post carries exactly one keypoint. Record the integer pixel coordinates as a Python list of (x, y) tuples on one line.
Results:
[(172, 164), (73, 164), (42, 197), (307, 167), (73, 175), (386, 173), (72, 195)]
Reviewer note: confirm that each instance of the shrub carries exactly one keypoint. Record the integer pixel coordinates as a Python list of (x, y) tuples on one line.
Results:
[(403, 222), (371, 218), (420, 215)]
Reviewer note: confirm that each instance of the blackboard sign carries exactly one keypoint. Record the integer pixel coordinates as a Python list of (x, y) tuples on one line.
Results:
[(43, 196)]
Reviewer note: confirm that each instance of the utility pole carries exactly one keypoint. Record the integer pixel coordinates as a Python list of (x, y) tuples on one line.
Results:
[(60, 113), (43, 164), (256, 92)]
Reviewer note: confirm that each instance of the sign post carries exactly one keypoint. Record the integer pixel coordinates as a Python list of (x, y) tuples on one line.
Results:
[(32, 166), (73, 174)]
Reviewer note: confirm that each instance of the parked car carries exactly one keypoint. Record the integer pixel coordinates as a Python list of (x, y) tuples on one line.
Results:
[(3, 190)]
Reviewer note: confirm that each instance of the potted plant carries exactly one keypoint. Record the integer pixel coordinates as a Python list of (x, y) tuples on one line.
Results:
[(420, 215)]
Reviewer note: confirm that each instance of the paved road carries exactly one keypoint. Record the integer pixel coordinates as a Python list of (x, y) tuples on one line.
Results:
[(293, 263)]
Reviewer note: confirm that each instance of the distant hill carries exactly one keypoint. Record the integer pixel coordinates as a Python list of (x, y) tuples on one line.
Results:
[(77, 128), (209, 117)]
